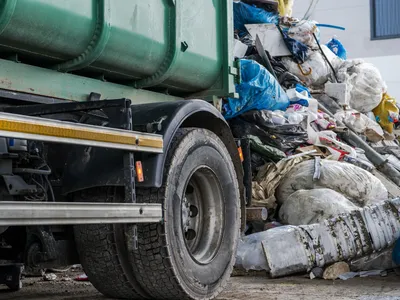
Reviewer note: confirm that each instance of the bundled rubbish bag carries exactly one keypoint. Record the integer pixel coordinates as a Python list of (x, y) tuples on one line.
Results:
[(387, 113), (354, 183), (305, 207), (258, 90), (304, 32), (337, 47), (315, 72), (365, 84), (247, 14)]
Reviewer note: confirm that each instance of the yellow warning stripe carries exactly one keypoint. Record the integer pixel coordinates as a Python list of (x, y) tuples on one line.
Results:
[(82, 134)]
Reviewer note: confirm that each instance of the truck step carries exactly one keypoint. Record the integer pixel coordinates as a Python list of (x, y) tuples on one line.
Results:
[(18, 213)]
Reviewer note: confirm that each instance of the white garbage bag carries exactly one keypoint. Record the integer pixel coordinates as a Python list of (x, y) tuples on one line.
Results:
[(364, 82), (303, 32), (354, 183), (316, 71), (305, 207)]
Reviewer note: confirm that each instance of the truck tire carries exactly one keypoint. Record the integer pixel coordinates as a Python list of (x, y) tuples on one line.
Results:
[(102, 250), (191, 255)]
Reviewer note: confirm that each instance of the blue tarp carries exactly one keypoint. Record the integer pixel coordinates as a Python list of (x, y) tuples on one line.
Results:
[(248, 14), (258, 90)]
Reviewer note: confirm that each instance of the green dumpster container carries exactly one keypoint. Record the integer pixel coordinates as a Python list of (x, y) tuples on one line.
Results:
[(179, 47)]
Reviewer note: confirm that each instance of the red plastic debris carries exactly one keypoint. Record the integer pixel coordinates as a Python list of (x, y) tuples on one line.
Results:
[(82, 277)]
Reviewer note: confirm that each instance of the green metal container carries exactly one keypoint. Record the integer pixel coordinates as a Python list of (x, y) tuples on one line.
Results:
[(179, 47)]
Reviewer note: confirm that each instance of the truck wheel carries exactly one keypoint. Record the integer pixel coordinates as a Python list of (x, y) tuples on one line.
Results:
[(102, 250), (191, 255)]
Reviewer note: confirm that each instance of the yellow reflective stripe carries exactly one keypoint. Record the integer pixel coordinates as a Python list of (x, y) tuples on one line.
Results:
[(83, 134)]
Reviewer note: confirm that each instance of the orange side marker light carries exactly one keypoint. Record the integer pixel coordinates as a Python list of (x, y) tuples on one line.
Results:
[(139, 171), (241, 154)]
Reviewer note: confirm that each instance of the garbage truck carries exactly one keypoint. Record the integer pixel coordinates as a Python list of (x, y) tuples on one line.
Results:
[(114, 154)]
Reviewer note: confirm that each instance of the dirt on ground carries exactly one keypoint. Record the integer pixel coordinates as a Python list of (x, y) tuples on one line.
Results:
[(244, 287)]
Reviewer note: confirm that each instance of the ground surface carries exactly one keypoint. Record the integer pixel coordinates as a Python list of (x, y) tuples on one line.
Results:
[(248, 288)]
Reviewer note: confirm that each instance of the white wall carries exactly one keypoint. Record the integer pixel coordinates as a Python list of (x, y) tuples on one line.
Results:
[(354, 15), (390, 70)]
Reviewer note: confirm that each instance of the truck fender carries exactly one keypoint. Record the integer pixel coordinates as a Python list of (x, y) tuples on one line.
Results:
[(89, 167)]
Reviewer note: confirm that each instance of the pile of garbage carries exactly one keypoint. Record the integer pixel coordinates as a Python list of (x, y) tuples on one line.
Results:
[(320, 129)]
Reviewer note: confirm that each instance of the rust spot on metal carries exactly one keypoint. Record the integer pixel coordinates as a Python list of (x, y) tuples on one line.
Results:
[(6, 82)]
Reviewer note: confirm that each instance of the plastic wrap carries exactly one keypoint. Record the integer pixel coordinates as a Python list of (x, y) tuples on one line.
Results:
[(305, 207), (361, 124), (375, 261), (258, 90), (337, 47), (275, 121), (354, 183), (365, 84), (250, 254), (248, 14)]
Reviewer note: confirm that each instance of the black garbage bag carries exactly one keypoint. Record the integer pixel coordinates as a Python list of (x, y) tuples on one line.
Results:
[(289, 80), (286, 79), (263, 4), (257, 161), (260, 118), (271, 137)]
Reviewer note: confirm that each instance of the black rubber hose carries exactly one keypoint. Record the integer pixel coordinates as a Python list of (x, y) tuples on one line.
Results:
[(327, 60)]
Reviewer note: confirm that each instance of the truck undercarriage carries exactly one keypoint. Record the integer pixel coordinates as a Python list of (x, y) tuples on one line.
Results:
[(34, 152), (69, 195)]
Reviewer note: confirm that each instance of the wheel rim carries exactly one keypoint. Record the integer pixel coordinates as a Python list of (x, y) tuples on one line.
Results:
[(202, 215)]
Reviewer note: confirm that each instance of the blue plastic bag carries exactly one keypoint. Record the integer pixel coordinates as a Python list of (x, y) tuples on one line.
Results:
[(258, 90), (247, 14), (301, 88), (396, 253), (337, 47), (298, 49), (303, 102)]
